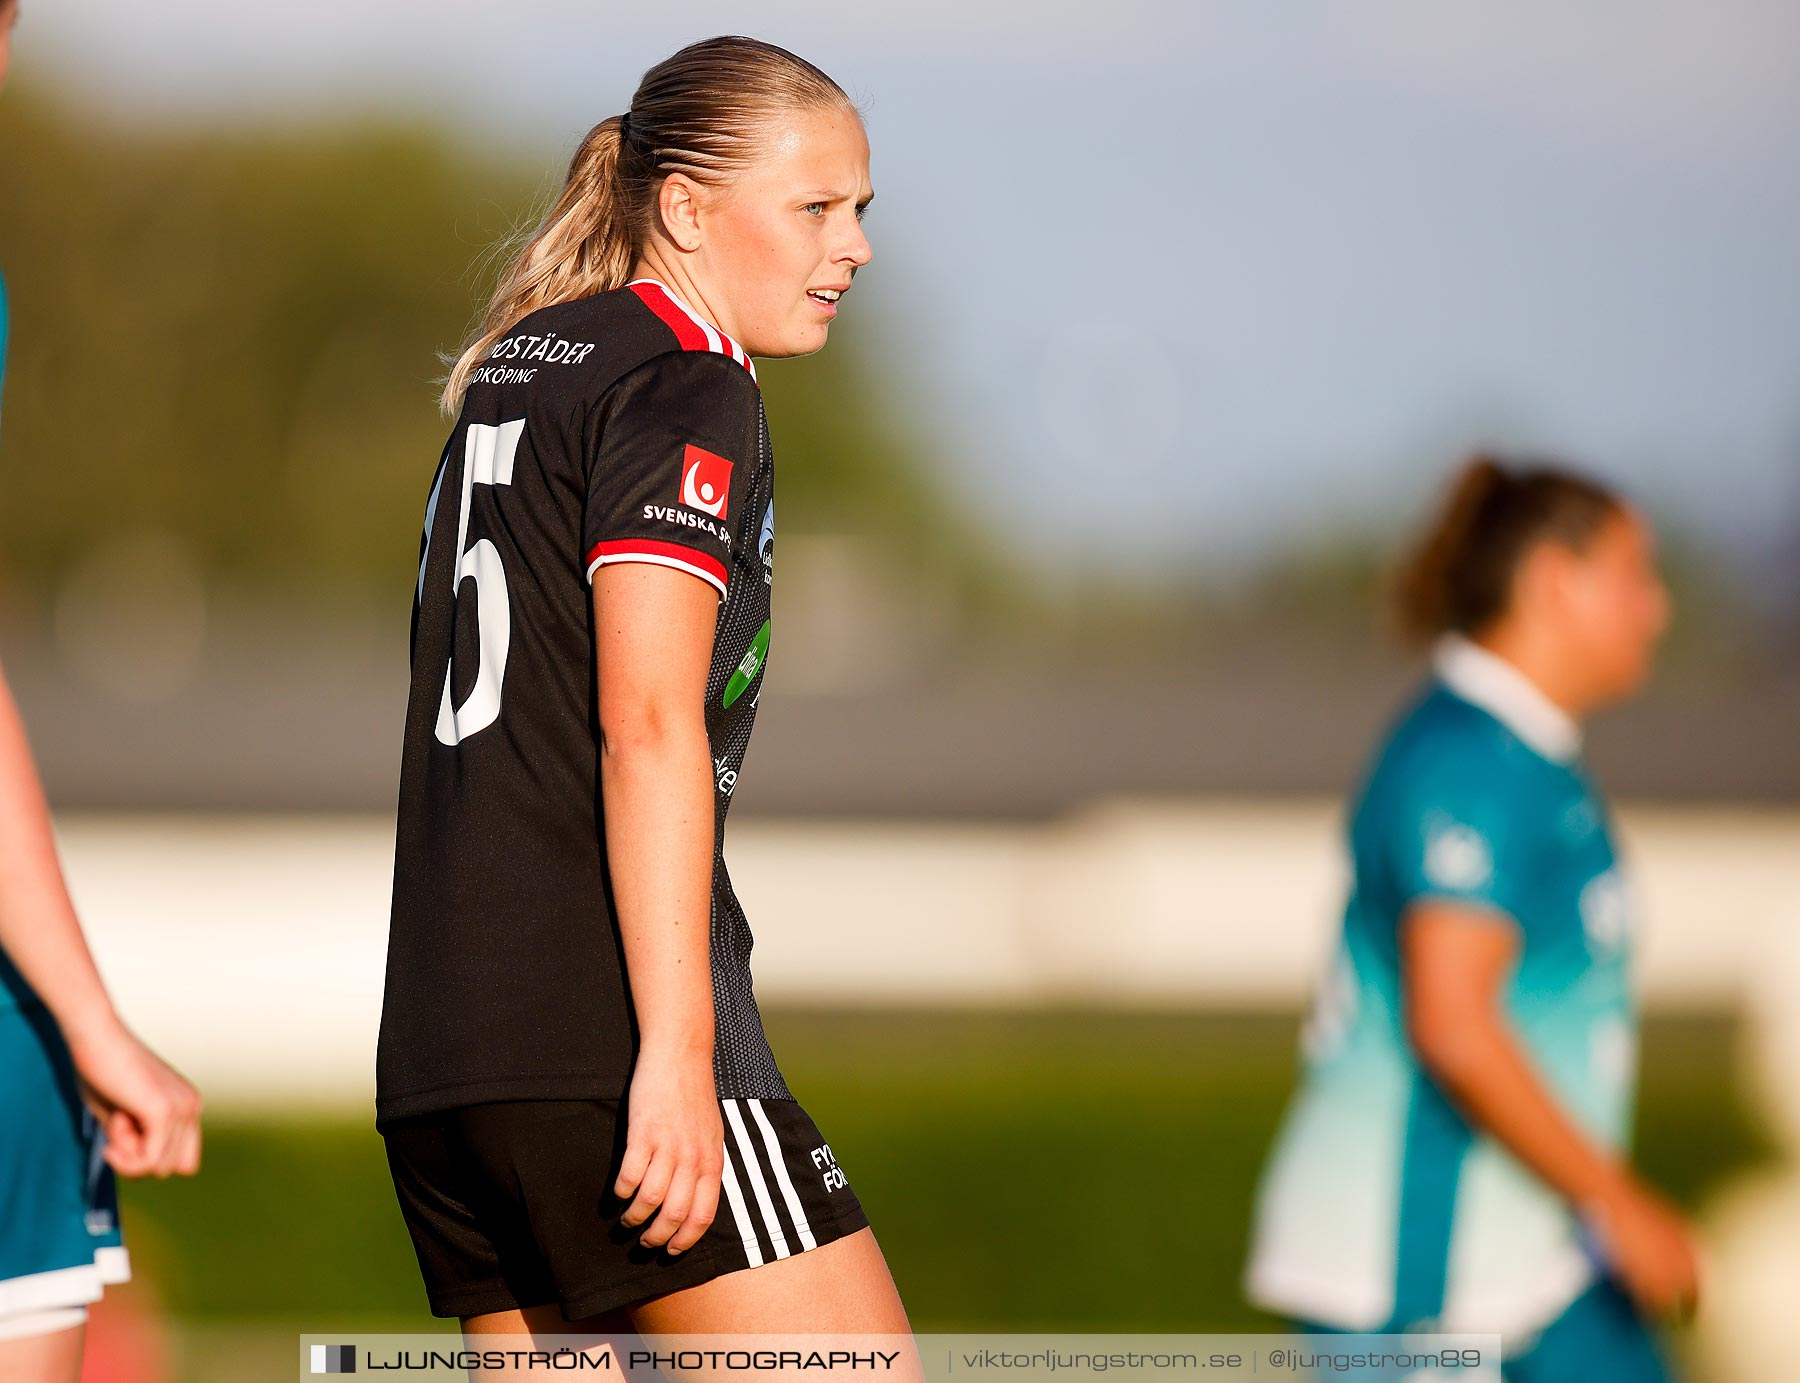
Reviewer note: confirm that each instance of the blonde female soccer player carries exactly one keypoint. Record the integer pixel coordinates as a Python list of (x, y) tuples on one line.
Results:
[(583, 1117)]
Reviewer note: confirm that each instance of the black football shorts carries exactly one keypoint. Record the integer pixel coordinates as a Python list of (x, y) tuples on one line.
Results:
[(511, 1204)]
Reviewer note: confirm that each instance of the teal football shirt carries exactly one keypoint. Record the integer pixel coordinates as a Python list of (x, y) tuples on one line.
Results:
[(1380, 1207)]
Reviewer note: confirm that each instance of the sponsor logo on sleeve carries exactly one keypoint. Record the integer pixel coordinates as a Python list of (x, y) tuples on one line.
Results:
[(751, 664), (1457, 857), (686, 518), (765, 544), (705, 481)]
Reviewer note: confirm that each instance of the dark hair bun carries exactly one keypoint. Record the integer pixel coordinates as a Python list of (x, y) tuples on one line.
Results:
[(1460, 574)]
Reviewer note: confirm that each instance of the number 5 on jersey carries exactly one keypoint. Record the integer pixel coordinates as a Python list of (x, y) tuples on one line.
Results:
[(488, 454)]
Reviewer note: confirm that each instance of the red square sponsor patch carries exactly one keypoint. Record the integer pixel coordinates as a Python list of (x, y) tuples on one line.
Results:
[(705, 480)]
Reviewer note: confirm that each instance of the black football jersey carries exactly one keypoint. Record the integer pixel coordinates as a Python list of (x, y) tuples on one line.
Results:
[(620, 427)]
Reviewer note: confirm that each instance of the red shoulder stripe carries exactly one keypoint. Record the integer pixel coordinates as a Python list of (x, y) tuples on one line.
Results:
[(691, 330)]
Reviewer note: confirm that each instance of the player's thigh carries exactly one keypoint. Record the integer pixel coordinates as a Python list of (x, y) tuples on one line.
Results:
[(514, 1330), (52, 1357), (843, 1286)]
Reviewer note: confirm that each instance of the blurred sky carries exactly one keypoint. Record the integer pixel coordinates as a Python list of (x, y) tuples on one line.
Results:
[(1170, 279)]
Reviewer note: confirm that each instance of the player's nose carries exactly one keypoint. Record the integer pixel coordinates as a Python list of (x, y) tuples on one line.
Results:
[(856, 250)]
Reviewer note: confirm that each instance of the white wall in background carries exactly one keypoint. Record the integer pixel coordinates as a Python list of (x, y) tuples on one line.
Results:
[(251, 949)]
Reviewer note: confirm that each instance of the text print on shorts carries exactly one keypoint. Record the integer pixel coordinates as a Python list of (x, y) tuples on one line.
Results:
[(488, 456), (829, 1171)]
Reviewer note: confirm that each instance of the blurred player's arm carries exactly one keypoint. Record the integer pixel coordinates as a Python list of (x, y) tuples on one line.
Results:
[(150, 1113), (653, 639), (1455, 960), (38, 928)]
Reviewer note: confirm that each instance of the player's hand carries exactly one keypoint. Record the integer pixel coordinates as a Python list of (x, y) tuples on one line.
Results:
[(151, 1115), (674, 1150), (1647, 1243)]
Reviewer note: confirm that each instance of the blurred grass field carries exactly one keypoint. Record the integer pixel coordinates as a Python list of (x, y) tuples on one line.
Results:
[(1077, 1170)]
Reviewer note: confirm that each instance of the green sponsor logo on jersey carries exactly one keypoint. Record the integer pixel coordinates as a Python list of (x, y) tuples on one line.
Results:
[(751, 665)]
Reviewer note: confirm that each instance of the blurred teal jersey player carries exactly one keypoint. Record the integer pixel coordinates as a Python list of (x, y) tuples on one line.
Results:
[(1454, 1157), (80, 1096), (1477, 796)]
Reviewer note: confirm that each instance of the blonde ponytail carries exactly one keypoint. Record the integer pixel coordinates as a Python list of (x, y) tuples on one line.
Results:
[(701, 112), (582, 246)]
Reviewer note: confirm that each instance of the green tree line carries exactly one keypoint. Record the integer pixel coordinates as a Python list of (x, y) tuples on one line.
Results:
[(233, 336)]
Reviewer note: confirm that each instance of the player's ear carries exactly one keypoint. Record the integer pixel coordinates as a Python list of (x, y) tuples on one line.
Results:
[(678, 201), (1543, 576)]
